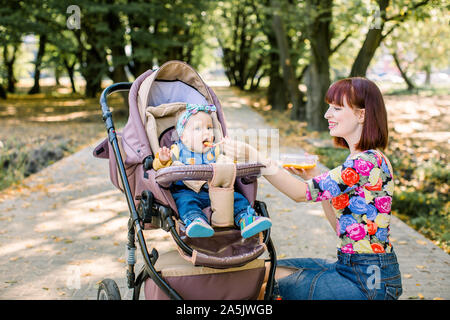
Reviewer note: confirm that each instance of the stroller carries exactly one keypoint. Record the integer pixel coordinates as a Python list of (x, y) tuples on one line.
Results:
[(222, 267)]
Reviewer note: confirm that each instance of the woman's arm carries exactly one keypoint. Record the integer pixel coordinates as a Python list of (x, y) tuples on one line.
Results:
[(329, 213), (296, 189), (286, 183)]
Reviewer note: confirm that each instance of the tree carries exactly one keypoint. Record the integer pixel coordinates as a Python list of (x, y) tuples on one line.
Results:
[(375, 35), (420, 44), (318, 74), (290, 79), (40, 24), (164, 30), (12, 26), (9, 58), (36, 88), (239, 33)]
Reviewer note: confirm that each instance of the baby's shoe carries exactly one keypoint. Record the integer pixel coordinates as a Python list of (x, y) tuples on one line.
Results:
[(251, 225), (199, 228)]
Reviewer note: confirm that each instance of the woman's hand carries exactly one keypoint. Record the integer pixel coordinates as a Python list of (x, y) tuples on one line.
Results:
[(305, 174)]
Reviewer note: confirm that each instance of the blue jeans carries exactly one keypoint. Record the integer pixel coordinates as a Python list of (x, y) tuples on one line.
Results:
[(190, 204), (351, 277)]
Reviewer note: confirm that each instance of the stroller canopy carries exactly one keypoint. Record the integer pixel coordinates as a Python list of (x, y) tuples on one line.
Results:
[(174, 81)]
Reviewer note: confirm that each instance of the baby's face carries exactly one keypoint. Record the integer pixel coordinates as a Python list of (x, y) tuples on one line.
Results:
[(198, 130)]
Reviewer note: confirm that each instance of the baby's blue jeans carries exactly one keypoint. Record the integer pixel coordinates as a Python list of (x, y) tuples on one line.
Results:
[(190, 204)]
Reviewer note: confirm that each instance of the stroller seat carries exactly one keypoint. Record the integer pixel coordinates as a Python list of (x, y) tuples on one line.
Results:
[(195, 283)]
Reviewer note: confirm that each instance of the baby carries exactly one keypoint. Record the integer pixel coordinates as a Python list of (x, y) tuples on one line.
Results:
[(195, 129)]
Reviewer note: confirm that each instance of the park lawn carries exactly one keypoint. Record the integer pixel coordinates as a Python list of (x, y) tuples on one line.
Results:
[(37, 130), (418, 149)]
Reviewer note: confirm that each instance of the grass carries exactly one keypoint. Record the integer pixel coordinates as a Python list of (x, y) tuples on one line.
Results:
[(418, 147), (37, 130)]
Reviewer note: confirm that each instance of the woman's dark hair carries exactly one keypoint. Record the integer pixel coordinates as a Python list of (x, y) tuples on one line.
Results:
[(362, 93)]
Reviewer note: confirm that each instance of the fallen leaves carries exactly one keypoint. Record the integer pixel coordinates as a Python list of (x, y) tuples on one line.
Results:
[(421, 242), (420, 267)]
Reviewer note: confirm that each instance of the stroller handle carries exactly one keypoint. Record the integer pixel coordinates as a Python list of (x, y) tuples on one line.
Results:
[(106, 113), (115, 87)]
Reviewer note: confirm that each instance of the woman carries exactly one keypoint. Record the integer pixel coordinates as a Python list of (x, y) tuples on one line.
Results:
[(356, 198)]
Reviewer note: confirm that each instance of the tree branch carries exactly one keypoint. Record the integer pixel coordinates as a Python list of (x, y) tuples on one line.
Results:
[(402, 17), (340, 43)]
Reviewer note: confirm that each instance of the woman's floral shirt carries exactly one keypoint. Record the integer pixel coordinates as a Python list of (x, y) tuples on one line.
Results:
[(361, 193)]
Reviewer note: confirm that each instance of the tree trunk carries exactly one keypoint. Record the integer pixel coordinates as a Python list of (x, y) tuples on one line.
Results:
[(92, 63), (117, 46), (93, 76), (37, 65), (70, 68), (370, 44), (318, 73), (427, 70), (236, 57), (57, 74), (254, 80), (405, 77), (2, 92), (119, 57), (93, 71), (139, 65), (277, 96), (366, 53), (318, 82), (297, 112), (9, 64)]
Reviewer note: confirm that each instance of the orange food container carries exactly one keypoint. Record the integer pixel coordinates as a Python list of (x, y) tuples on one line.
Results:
[(298, 161)]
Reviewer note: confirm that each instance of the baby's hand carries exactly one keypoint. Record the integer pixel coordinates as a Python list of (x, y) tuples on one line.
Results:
[(164, 155)]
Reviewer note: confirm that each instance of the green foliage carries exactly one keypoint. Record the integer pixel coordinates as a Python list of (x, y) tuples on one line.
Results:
[(114, 35), (331, 157), (239, 28), (423, 199), (422, 43), (12, 163)]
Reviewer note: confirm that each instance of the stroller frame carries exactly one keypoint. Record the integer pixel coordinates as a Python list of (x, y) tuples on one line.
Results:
[(160, 215)]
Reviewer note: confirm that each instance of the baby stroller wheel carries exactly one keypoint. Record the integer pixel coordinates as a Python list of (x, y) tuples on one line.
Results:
[(108, 290)]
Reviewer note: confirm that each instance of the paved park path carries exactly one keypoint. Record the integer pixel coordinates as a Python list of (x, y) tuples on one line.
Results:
[(64, 230)]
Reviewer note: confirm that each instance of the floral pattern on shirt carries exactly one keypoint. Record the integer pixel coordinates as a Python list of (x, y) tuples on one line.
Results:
[(361, 191)]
